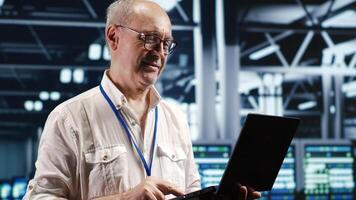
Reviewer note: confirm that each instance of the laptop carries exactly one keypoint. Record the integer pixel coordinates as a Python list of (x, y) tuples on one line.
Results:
[(257, 157)]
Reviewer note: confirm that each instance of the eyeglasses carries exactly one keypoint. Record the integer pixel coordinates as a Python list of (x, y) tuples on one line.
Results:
[(152, 41)]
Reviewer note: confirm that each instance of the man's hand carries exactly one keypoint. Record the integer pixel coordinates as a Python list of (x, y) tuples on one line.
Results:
[(247, 193), (152, 188)]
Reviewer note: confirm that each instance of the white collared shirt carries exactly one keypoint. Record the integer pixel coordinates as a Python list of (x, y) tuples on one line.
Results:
[(84, 152)]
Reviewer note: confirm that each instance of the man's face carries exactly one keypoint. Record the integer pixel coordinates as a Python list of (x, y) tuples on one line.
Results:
[(141, 64)]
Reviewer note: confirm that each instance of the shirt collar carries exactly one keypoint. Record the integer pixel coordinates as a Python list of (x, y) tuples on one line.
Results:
[(119, 99)]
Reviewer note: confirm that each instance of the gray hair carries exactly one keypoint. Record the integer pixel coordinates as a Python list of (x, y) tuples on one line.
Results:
[(120, 12)]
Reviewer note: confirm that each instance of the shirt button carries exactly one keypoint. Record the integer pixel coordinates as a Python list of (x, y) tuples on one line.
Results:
[(105, 157)]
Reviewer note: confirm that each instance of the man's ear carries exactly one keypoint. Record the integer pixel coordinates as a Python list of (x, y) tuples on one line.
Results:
[(112, 37)]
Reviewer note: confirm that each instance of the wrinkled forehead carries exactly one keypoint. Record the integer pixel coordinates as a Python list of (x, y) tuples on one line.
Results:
[(152, 19)]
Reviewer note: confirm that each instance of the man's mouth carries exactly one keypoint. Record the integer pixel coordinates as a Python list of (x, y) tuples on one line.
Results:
[(149, 66)]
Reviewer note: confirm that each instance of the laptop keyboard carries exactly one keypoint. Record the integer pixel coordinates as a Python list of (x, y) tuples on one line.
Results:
[(206, 191)]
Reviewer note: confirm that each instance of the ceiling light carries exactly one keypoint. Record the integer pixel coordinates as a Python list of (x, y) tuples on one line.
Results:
[(28, 105), (44, 95), (94, 51), (38, 105), (332, 109), (167, 5), (350, 94), (268, 79), (263, 52), (78, 75), (55, 96), (348, 87), (106, 54), (307, 105), (65, 75)]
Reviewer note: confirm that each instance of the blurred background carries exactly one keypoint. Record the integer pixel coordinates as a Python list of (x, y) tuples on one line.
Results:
[(281, 57)]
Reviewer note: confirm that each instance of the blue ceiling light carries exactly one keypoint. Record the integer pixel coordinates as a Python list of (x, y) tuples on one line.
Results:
[(95, 51), (29, 105), (55, 96), (106, 53), (263, 52), (307, 105), (78, 76), (44, 96), (38, 105), (65, 75)]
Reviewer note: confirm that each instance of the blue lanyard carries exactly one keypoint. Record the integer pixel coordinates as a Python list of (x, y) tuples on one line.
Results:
[(124, 125)]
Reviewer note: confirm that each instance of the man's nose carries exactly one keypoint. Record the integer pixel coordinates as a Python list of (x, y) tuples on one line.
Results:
[(160, 49)]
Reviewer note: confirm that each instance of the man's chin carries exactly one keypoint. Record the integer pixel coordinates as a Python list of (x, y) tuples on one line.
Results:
[(149, 80)]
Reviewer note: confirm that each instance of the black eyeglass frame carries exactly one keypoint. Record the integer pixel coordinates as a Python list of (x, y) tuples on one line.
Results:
[(143, 37)]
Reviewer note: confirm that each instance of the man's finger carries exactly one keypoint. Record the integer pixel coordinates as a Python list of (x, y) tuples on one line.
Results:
[(158, 194), (256, 195), (169, 188), (252, 194), (150, 195), (242, 193)]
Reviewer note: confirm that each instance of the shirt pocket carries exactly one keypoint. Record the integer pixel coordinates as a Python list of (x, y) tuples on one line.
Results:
[(106, 167), (173, 164)]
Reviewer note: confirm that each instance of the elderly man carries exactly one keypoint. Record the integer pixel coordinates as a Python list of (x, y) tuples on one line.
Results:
[(120, 140)]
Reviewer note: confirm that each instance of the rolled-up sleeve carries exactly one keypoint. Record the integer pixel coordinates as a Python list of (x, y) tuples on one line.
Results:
[(57, 162)]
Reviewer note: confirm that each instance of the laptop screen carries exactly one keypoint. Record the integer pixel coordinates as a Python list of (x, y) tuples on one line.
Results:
[(285, 186), (259, 153)]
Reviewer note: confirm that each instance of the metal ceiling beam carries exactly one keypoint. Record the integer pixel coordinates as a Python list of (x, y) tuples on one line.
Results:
[(308, 70), (16, 134), (11, 93), (99, 68), (295, 27), (86, 67), (181, 12), (79, 24), (311, 70), (302, 113), (336, 7), (90, 9), (278, 51), (276, 38), (290, 94), (263, 27), (302, 48), (17, 125), (17, 111), (40, 43)]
